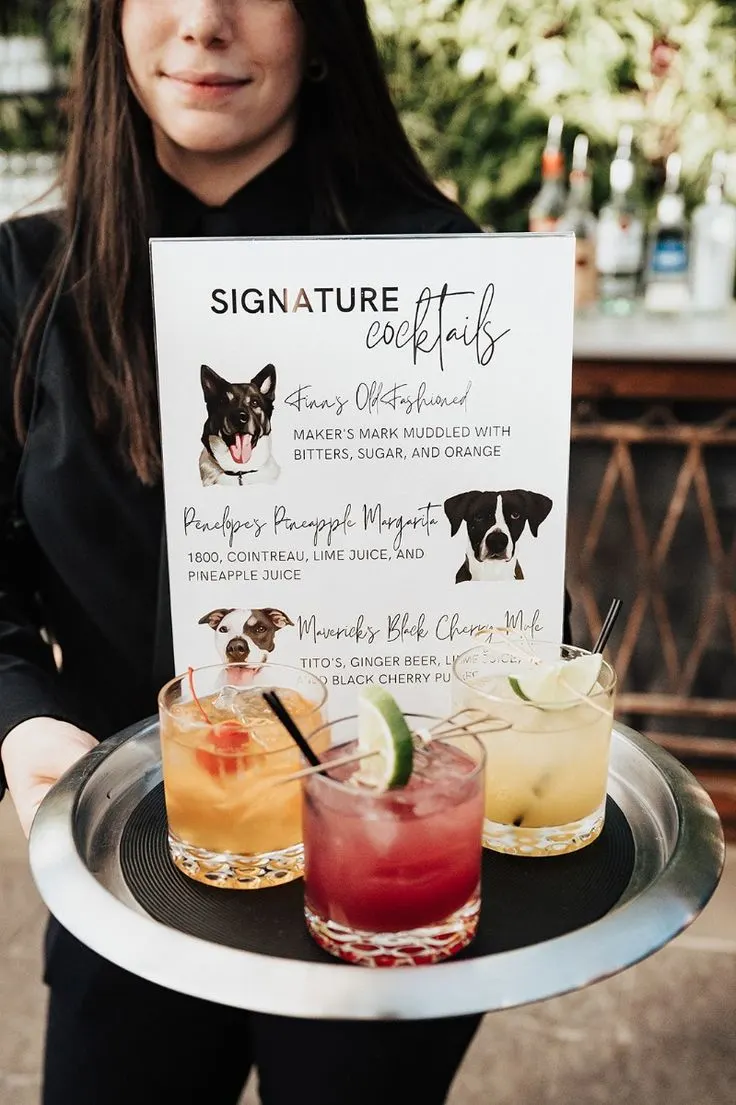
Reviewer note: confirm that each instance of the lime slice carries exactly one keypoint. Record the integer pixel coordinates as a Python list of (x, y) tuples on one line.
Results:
[(382, 729), (559, 684)]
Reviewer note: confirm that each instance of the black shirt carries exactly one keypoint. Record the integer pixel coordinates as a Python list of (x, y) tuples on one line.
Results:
[(89, 567)]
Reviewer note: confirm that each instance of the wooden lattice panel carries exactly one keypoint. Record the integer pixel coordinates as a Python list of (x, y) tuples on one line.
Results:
[(648, 524)]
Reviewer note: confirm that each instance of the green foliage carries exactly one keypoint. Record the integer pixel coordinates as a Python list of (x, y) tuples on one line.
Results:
[(36, 123), (476, 81)]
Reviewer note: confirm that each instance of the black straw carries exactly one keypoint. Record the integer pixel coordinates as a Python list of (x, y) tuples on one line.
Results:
[(607, 627), (290, 725)]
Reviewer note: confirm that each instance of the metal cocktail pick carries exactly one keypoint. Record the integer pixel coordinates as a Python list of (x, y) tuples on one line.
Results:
[(453, 728)]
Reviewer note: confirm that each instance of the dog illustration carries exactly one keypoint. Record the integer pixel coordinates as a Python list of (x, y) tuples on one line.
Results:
[(237, 434), (237, 630), (494, 521)]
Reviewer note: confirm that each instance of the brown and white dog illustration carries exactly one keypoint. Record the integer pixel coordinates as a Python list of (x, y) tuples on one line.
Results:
[(239, 631)]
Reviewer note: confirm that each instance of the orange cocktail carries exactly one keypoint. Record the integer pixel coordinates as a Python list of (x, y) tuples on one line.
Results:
[(233, 821)]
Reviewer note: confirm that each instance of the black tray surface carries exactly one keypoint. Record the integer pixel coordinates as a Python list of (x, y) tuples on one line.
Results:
[(524, 901)]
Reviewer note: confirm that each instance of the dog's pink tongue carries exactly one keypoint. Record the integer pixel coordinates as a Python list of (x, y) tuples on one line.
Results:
[(241, 448)]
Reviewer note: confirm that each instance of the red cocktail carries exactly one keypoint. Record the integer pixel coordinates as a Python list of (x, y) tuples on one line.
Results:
[(392, 877)]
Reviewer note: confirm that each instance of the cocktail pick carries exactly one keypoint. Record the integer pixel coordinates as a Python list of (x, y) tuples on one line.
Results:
[(290, 726), (454, 727), (320, 768), (607, 627)]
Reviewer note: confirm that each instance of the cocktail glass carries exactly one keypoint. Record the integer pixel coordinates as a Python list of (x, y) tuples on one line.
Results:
[(392, 878), (547, 767), (224, 752)]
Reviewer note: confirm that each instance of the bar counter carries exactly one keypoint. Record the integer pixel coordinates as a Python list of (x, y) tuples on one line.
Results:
[(653, 520), (650, 357)]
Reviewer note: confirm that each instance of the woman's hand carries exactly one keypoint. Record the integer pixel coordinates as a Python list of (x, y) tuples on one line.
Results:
[(35, 755)]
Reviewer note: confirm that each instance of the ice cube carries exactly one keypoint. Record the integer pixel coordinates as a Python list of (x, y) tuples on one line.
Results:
[(225, 700), (382, 833), (422, 762), (429, 802), (249, 707)]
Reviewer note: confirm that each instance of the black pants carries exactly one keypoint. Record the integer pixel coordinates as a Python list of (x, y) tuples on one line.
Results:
[(113, 1039)]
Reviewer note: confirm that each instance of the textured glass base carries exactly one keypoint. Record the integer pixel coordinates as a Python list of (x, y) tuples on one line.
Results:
[(397, 949), (236, 872), (555, 840)]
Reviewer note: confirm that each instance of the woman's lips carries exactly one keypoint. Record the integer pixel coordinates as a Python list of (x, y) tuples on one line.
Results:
[(206, 86)]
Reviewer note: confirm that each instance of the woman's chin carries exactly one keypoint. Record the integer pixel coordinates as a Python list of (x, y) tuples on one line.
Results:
[(207, 140)]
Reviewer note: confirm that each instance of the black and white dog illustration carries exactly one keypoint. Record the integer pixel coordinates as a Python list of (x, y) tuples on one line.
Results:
[(237, 433), (237, 630), (494, 521)]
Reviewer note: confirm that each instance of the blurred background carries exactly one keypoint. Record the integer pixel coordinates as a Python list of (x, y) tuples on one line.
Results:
[(615, 120), (477, 82)]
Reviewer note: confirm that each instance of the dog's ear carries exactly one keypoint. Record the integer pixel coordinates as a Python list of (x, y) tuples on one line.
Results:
[(537, 508), (277, 617), (265, 381), (457, 509), (214, 617), (212, 384)]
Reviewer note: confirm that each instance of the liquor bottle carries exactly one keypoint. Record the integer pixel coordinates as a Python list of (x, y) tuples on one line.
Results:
[(579, 219), (620, 238), (548, 205), (667, 283), (714, 244)]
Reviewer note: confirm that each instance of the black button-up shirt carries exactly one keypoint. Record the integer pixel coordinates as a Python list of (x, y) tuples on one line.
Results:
[(88, 568)]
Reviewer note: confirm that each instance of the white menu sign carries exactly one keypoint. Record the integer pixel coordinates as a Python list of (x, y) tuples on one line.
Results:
[(365, 448)]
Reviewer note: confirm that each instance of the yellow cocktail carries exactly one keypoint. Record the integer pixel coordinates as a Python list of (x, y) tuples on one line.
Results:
[(548, 752)]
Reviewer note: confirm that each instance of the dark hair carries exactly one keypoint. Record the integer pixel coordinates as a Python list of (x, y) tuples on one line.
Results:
[(354, 142)]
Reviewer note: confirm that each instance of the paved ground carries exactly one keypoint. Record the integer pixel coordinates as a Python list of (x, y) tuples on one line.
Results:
[(662, 1033)]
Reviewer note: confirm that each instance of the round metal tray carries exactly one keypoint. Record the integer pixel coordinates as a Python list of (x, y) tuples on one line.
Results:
[(75, 860)]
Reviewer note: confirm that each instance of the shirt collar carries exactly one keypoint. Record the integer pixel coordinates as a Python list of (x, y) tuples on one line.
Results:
[(274, 203)]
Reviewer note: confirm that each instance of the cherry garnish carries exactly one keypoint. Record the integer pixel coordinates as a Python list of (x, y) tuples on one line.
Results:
[(226, 736)]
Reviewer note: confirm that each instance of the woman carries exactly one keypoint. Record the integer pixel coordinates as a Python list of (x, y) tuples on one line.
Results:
[(188, 117)]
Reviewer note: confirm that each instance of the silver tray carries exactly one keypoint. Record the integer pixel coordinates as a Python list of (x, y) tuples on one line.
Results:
[(75, 860)]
